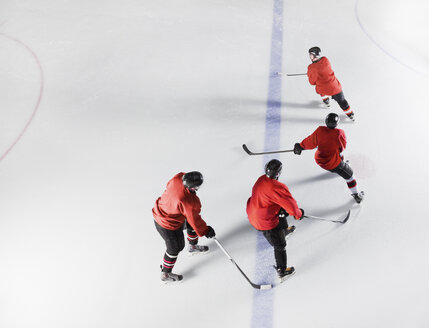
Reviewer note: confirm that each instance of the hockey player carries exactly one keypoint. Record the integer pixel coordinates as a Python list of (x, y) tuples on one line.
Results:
[(322, 76), (179, 206), (267, 209), (330, 143)]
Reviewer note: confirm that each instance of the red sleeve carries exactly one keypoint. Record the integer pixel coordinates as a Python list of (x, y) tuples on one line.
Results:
[(311, 141), (191, 210), (286, 201), (312, 74), (343, 141)]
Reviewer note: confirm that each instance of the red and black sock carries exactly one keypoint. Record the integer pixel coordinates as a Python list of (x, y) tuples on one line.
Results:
[(192, 237), (168, 262)]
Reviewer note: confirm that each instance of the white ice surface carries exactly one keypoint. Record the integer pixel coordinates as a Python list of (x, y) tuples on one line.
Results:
[(136, 91)]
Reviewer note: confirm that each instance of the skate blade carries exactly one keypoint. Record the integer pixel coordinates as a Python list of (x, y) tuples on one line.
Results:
[(170, 283), (197, 253), (289, 234), (281, 280)]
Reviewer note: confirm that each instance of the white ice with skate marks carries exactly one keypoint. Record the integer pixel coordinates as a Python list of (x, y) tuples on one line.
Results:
[(21, 86), (398, 29)]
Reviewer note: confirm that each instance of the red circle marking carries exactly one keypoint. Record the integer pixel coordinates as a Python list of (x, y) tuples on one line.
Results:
[(39, 98)]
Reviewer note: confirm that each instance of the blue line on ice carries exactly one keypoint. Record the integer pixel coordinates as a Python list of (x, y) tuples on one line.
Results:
[(262, 312)]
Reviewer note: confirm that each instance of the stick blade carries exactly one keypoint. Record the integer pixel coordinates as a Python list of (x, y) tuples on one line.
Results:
[(247, 150), (346, 218)]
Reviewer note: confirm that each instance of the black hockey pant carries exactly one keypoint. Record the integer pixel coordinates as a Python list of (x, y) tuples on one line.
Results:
[(277, 238), (344, 170), (339, 98), (175, 242)]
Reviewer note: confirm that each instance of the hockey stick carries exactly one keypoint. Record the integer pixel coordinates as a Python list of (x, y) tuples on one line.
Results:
[(344, 220), (232, 260), (294, 74), (263, 153)]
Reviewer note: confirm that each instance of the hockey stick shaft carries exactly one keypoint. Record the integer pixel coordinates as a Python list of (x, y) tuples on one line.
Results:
[(321, 219), (292, 74), (344, 220), (247, 150), (239, 269)]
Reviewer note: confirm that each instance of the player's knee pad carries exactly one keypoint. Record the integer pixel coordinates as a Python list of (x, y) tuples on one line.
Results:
[(342, 102), (174, 247), (279, 243), (344, 170), (178, 248), (348, 171), (344, 105)]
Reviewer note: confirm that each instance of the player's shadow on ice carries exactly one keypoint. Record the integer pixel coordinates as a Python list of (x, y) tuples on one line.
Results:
[(286, 104), (239, 105), (311, 120), (242, 231), (320, 177), (314, 104), (329, 211), (310, 105), (345, 120), (336, 210)]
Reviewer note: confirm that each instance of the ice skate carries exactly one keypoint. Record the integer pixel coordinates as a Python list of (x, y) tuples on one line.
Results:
[(290, 231), (197, 249), (285, 273), (326, 102), (170, 278), (351, 116), (358, 197)]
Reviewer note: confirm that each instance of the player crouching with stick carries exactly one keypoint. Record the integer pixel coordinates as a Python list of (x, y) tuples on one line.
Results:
[(267, 210), (179, 206), (330, 143)]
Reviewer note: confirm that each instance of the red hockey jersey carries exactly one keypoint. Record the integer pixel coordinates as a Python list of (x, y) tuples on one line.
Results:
[(329, 142), (268, 196), (322, 76), (178, 204)]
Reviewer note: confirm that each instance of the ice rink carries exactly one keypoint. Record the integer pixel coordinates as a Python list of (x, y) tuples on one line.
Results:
[(102, 102)]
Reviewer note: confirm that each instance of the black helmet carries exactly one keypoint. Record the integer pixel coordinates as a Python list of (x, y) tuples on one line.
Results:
[(192, 179), (332, 120), (315, 51), (273, 169)]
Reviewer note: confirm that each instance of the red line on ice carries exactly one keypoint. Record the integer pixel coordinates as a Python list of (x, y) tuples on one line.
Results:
[(36, 106)]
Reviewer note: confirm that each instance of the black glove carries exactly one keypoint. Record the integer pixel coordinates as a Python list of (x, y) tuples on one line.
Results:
[(210, 233), (302, 215), (297, 149), (283, 213)]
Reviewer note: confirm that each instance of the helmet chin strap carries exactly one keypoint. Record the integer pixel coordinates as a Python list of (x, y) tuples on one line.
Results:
[(275, 178)]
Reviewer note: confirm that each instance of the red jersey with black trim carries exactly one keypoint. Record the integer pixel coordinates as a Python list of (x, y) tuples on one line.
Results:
[(330, 144), (321, 75), (268, 196), (178, 204)]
